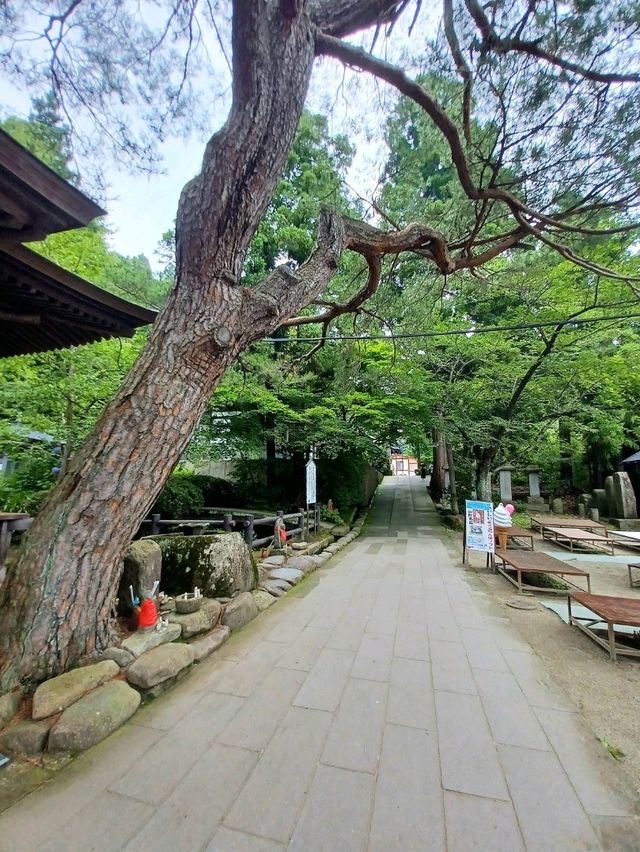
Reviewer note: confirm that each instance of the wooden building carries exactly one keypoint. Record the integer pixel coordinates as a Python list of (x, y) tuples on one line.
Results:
[(43, 306)]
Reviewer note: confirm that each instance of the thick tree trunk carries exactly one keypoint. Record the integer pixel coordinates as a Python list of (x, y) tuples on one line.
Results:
[(453, 487), (436, 486), (54, 605), (482, 474)]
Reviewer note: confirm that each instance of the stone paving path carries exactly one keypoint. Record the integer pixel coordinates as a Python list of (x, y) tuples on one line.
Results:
[(387, 704)]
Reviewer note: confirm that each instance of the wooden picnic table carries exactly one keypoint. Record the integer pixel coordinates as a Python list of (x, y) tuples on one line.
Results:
[(528, 562), (609, 610), (11, 522), (542, 521), (570, 536), (626, 538), (520, 532)]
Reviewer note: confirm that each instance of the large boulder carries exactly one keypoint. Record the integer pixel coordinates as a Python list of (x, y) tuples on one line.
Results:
[(622, 496), (94, 717), (142, 567), (60, 692), (144, 640), (160, 664), (26, 737), (9, 705), (239, 611), (219, 565), (599, 501), (121, 656), (200, 621)]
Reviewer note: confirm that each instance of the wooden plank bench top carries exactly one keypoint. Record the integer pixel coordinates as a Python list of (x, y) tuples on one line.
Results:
[(574, 535), (542, 521), (539, 563), (611, 610), (530, 562)]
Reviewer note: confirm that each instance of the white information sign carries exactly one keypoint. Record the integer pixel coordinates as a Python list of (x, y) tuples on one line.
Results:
[(479, 531), (311, 482)]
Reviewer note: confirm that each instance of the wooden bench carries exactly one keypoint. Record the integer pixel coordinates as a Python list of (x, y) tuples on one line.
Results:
[(608, 610), (541, 521), (528, 562), (635, 584), (573, 536)]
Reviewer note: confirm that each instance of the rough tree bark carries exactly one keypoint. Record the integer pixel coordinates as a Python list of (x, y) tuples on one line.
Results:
[(436, 485), (54, 604), (453, 486)]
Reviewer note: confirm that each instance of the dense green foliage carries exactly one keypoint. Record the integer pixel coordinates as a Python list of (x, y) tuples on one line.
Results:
[(558, 396)]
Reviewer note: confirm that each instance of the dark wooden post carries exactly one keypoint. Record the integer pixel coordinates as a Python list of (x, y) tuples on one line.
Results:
[(155, 525), (248, 530), (228, 523), (303, 522)]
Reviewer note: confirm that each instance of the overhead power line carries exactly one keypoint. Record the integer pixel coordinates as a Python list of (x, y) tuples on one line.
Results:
[(411, 335)]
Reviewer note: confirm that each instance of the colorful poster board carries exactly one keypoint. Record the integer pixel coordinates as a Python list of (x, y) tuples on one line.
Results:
[(479, 532)]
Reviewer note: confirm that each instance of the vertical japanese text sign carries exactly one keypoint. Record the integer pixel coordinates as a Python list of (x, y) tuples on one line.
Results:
[(311, 482)]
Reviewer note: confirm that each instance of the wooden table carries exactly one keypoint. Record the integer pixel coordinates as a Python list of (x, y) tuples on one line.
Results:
[(626, 538), (541, 521), (527, 562), (608, 610), (11, 522), (570, 536), (520, 532)]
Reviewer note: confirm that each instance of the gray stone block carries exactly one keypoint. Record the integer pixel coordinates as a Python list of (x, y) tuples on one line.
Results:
[(119, 655), (290, 575), (206, 645), (9, 704), (60, 692), (201, 621), (239, 611), (142, 568), (26, 737), (144, 640), (94, 717), (263, 599), (160, 664), (600, 502)]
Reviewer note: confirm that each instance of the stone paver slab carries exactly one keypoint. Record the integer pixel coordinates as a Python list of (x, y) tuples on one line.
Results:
[(548, 810), (256, 722), (356, 733), (411, 698), (190, 816), (270, 802), (408, 812), (325, 682), (589, 766), (108, 822), (348, 797), (373, 660), (234, 841), (476, 824), (450, 667), (511, 719), (467, 751)]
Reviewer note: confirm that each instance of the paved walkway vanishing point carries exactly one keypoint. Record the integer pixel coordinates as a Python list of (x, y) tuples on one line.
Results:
[(387, 704)]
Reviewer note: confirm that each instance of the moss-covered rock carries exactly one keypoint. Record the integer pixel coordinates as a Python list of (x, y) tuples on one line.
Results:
[(219, 565)]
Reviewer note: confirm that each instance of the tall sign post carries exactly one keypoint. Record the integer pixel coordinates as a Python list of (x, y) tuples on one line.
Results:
[(311, 485), (479, 533)]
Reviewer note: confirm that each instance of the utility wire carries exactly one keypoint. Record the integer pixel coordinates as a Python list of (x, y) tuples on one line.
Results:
[(457, 331)]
